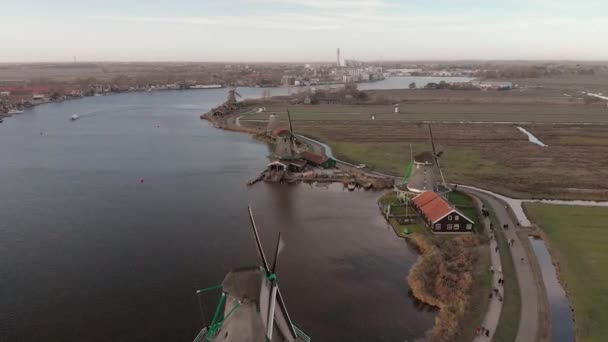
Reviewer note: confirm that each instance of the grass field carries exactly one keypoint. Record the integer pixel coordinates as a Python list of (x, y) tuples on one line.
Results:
[(457, 112), (495, 156), (396, 209), (578, 239)]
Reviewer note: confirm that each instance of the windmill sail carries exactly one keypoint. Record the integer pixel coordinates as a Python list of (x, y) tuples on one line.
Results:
[(251, 307), (436, 155), (293, 136), (257, 241), (408, 170), (289, 121)]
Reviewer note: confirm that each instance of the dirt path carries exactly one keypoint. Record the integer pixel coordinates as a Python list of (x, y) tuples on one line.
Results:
[(529, 282)]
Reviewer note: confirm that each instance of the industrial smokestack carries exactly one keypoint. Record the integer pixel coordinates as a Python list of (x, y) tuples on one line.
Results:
[(339, 64)]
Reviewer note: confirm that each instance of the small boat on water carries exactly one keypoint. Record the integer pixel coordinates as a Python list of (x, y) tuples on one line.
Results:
[(74, 117), (351, 186), (15, 111), (1, 121)]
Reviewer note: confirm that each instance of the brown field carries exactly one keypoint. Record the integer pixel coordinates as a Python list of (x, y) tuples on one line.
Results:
[(523, 95), (492, 156), (449, 112), (477, 130), (593, 83)]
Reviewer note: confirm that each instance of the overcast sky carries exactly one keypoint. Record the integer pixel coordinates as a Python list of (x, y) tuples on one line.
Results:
[(299, 30)]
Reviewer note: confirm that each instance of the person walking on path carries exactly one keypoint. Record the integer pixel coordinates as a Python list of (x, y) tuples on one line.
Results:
[(529, 326), (492, 316)]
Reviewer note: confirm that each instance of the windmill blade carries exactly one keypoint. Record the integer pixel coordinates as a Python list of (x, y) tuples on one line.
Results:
[(440, 172), (436, 155), (257, 241), (271, 309), (289, 121), (284, 309), (277, 251), (432, 141)]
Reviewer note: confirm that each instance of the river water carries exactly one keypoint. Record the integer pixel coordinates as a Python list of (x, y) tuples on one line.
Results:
[(562, 320), (88, 253)]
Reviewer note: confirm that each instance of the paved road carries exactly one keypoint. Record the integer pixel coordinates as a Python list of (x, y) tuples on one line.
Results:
[(530, 301), (492, 317)]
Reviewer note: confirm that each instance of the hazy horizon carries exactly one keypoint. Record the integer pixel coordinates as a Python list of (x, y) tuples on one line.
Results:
[(289, 31)]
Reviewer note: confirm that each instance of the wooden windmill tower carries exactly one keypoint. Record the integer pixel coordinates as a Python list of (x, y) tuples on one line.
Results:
[(251, 307), (424, 172)]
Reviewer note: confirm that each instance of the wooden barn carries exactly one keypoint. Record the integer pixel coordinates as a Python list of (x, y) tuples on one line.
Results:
[(439, 215)]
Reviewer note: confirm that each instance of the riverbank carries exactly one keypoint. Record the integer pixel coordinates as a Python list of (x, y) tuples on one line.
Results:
[(444, 277), (59, 99), (345, 173), (457, 326), (576, 240)]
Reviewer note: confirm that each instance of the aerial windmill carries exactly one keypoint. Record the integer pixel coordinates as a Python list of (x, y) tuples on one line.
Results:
[(424, 172), (293, 134), (253, 307), (232, 95), (230, 104), (436, 156)]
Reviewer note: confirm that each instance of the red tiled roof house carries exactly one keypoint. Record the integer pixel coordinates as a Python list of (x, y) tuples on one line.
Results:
[(439, 215)]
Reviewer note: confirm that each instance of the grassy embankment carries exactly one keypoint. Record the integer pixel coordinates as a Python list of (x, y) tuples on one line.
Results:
[(444, 276), (449, 256), (483, 278), (578, 238), (508, 323)]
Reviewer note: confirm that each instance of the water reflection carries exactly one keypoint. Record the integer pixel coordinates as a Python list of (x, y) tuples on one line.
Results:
[(562, 320)]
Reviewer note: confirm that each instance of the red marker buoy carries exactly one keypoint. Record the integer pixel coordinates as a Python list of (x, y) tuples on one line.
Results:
[(141, 180)]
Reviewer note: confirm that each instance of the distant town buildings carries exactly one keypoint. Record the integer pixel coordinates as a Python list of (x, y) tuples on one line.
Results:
[(489, 85)]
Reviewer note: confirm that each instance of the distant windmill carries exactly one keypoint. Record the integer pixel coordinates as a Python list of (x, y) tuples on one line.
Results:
[(252, 304), (294, 140), (285, 141), (232, 94)]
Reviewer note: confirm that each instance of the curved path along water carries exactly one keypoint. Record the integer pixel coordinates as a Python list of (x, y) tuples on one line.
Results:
[(492, 317), (528, 284)]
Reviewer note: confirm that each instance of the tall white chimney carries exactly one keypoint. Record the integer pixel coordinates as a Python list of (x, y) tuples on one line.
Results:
[(339, 64)]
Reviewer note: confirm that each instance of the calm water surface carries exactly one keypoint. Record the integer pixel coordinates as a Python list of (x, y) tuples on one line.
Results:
[(88, 253), (562, 320)]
